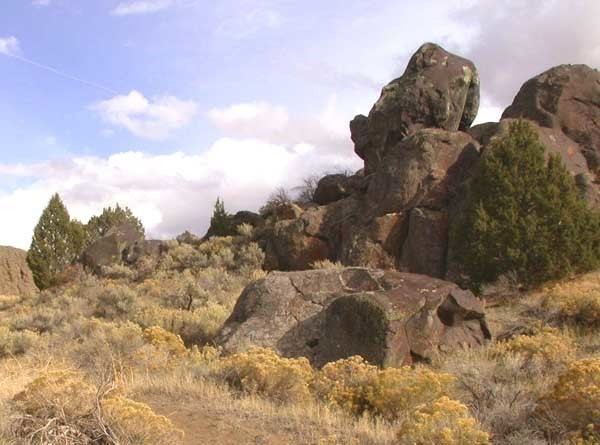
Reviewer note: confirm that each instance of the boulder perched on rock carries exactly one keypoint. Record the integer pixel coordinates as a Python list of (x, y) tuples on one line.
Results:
[(332, 188), (390, 318), (564, 98), (15, 276), (111, 248), (419, 152), (437, 90)]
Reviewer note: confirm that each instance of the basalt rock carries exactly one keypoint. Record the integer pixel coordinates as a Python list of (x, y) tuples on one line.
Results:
[(15, 276), (111, 249), (437, 90), (419, 152), (389, 318), (565, 98)]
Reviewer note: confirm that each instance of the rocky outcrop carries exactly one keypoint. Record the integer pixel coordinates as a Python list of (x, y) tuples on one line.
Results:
[(332, 188), (389, 318), (565, 98), (15, 276), (437, 90), (243, 217), (111, 249), (418, 153)]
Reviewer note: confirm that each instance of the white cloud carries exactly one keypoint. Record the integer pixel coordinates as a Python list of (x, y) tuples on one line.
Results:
[(41, 2), (239, 20), (327, 130), (141, 7), (171, 193), (149, 119), (516, 40), (9, 46)]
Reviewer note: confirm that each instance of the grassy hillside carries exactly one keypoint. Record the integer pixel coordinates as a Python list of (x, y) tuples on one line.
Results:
[(128, 359)]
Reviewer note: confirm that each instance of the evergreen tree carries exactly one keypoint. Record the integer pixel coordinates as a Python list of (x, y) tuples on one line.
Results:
[(99, 225), (53, 246), (524, 216), (220, 223)]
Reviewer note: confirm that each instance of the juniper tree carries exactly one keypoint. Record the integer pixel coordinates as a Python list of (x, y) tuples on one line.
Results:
[(220, 222), (54, 245), (524, 216), (110, 217)]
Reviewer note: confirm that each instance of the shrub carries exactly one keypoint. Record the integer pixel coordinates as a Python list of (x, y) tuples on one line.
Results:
[(343, 384), (57, 407), (101, 347), (57, 393), (136, 423), (194, 327), (576, 302), (118, 272), (162, 339), (397, 391), (548, 347), (61, 407), (357, 387), (9, 301), (115, 302), (245, 230), (575, 399), (13, 343), (249, 257), (524, 216), (327, 264), (443, 422), (185, 256), (279, 197), (263, 372), (501, 391)]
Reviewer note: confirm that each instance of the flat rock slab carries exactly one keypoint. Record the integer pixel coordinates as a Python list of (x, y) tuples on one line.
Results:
[(390, 318)]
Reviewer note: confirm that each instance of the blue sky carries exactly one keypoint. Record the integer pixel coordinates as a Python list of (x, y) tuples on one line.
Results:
[(163, 105)]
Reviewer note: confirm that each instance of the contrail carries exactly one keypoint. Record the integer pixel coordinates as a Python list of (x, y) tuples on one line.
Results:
[(59, 73)]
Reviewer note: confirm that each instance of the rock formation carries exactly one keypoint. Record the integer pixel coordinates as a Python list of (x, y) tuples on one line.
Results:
[(437, 90), (120, 245), (15, 276), (390, 318), (418, 150)]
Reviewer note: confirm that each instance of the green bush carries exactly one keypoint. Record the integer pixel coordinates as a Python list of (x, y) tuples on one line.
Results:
[(56, 242), (98, 226), (524, 216)]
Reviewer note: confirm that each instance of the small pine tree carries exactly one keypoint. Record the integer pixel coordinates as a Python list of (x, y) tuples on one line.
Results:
[(99, 225), (220, 223), (54, 245), (524, 216)]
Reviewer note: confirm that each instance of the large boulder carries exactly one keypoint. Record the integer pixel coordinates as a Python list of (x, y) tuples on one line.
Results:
[(437, 90), (111, 249), (425, 169), (564, 98), (390, 318), (15, 276), (332, 188)]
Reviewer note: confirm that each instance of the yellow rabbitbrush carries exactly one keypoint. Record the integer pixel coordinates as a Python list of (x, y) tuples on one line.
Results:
[(575, 399)]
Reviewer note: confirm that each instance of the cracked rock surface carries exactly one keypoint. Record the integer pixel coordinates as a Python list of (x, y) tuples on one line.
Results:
[(390, 318)]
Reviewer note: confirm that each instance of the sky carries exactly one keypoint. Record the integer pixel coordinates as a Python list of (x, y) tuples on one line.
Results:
[(165, 105)]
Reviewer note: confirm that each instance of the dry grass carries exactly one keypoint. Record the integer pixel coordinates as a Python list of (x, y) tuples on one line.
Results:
[(136, 333), (309, 422)]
